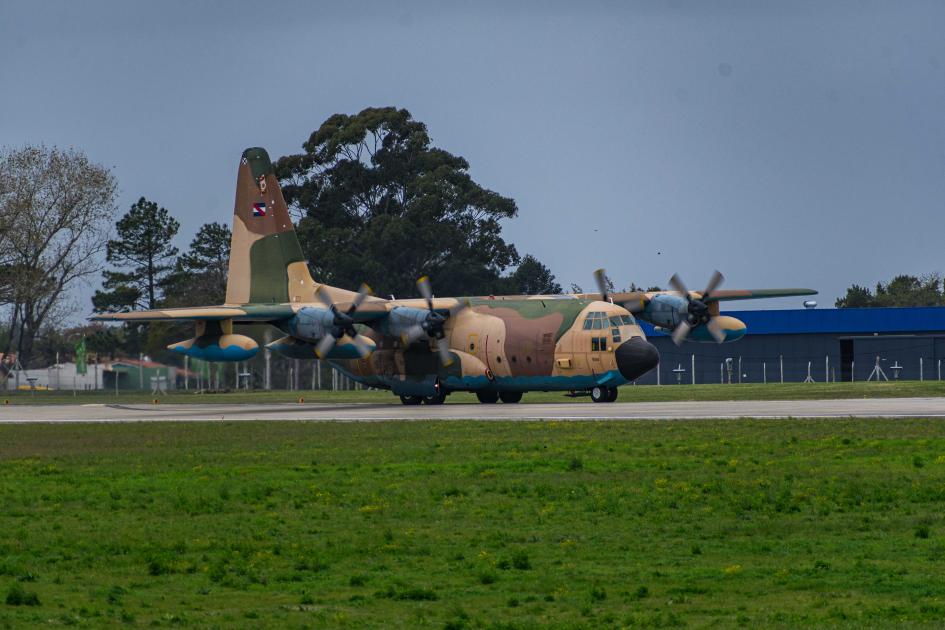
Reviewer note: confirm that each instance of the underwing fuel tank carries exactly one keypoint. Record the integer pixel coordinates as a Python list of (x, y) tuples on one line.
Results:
[(295, 348), (223, 347)]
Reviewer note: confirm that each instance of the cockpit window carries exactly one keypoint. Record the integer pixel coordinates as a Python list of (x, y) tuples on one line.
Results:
[(597, 321)]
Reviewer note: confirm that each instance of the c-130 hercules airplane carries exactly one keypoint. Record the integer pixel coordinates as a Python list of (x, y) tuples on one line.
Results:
[(422, 349)]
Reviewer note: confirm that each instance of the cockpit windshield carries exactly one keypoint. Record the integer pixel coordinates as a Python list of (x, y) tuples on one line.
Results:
[(598, 320)]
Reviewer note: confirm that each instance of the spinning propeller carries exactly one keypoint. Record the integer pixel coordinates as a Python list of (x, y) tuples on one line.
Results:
[(697, 310), (342, 324), (433, 325), (634, 306)]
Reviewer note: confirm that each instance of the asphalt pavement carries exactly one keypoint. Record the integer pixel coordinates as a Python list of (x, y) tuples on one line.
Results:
[(366, 412)]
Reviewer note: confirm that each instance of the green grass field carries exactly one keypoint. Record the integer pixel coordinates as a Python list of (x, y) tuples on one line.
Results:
[(466, 524), (628, 393)]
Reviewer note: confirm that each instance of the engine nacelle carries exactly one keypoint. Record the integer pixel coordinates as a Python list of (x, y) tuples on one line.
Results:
[(222, 347), (733, 328), (401, 319), (310, 324), (295, 348)]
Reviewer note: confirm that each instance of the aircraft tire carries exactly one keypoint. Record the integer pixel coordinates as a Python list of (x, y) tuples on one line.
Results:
[(411, 400), (510, 397), (487, 397), (600, 394), (614, 392), (436, 399)]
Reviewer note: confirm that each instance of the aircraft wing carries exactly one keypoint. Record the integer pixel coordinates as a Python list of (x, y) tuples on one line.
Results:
[(245, 313), (720, 295)]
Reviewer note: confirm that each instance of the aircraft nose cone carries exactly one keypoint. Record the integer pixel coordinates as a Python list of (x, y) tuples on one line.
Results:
[(635, 357)]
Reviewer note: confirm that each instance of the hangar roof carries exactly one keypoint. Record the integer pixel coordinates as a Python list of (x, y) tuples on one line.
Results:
[(837, 321)]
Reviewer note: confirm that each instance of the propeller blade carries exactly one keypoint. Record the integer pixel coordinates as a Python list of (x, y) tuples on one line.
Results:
[(459, 308), (413, 333), (363, 292), (325, 346), (714, 282), (678, 285), (322, 296), (681, 332), (423, 285), (364, 350), (715, 329), (443, 347), (636, 305), (601, 278)]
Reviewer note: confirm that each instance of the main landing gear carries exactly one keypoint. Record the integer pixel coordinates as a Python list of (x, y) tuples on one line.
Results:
[(490, 397), (436, 399), (602, 394)]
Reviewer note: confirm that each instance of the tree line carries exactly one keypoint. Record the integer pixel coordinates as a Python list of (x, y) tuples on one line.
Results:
[(903, 290)]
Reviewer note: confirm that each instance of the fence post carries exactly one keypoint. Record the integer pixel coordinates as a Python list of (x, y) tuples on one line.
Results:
[(781, 361), (693, 370), (764, 371), (657, 373), (852, 371), (739, 369), (921, 375), (826, 368), (722, 372)]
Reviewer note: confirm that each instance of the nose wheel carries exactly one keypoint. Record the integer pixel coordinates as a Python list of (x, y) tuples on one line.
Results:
[(602, 394)]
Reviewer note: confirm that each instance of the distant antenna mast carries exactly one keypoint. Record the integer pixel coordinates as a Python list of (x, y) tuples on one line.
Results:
[(809, 379), (877, 372)]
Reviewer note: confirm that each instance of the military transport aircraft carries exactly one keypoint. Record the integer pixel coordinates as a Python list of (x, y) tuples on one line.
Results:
[(422, 349)]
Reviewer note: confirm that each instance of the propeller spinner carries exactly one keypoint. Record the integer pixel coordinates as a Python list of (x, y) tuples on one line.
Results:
[(342, 324), (697, 310), (433, 325)]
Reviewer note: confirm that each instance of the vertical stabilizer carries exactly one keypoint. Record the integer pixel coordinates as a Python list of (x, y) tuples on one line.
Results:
[(266, 262)]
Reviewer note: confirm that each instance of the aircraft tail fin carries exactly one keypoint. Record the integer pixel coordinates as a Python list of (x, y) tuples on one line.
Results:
[(266, 262)]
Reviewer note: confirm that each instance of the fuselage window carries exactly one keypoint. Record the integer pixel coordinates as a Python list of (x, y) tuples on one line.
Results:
[(616, 332), (595, 344)]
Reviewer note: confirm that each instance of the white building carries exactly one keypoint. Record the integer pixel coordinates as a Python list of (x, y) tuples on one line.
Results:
[(61, 376)]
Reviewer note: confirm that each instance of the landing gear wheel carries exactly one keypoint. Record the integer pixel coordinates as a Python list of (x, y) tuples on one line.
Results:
[(436, 399), (411, 400), (613, 394), (600, 394), (487, 397), (510, 397)]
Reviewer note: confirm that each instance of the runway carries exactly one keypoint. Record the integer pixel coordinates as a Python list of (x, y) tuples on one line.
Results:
[(868, 408)]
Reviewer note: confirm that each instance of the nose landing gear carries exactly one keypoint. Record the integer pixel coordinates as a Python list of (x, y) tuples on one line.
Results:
[(602, 394)]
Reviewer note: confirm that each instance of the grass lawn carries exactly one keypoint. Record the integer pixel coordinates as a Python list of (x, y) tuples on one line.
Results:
[(628, 393), (474, 524)]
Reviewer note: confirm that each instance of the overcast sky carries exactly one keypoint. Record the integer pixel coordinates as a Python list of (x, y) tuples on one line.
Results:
[(784, 143)]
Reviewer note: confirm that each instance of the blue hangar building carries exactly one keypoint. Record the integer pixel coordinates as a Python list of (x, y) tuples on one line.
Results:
[(825, 344)]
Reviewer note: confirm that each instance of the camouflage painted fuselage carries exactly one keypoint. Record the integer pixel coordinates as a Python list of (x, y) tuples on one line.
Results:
[(505, 344)]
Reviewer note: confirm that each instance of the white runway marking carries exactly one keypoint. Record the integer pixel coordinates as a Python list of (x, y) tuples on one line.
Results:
[(869, 408)]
